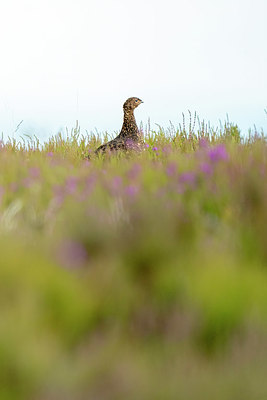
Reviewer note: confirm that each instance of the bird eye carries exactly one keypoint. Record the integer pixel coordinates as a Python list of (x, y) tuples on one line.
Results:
[(136, 100)]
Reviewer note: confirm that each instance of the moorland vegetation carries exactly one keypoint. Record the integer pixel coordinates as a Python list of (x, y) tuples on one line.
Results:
[(138, 275)]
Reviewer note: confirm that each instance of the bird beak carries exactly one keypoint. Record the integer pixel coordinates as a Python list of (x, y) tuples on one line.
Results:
[(141, 101)]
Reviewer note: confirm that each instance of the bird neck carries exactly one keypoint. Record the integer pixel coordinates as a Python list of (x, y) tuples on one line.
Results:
[(129, 127), (128, 115)]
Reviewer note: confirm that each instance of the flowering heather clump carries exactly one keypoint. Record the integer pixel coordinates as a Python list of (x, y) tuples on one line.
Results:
[(116, 184), (171, 168), (71, 184), (207, 168), (120, 274), (218, 153), (131, 190), (188, 177)]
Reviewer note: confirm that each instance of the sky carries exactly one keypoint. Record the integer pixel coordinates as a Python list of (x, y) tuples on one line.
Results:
[(68, 60)]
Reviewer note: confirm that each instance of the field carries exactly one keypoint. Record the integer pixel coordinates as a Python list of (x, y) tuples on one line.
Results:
[(135, 276)]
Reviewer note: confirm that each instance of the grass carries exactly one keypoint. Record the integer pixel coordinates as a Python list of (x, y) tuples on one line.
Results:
[(138, 276)]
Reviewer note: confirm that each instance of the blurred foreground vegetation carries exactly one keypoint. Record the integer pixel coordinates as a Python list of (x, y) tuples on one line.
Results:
[(134, 276)]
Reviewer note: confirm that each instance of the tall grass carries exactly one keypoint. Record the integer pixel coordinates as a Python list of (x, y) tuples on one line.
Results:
[(138, 276)]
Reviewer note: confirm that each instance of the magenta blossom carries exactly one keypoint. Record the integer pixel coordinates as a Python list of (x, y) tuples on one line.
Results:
[(50, 154), (188, 177), (59, 194), (132, 190), (115, 185), (117, 181), (171, 169), (71, 184), (88, 187), (206, 168), (218, 153)]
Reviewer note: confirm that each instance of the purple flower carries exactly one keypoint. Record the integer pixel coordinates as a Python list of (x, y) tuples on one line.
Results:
[(206, 168), (115, 185), (59, 194), (117, 181), (50, 154), (88, 186), (171, 169), (147, 145), (155, 148), (188, 177), (71, 254), (131, 190), (218, 153), (71, 184)]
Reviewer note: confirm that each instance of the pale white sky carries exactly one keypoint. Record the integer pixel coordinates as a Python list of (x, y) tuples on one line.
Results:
[(63, 60)]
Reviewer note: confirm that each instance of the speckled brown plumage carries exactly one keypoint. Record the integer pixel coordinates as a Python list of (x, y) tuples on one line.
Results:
[(129, 137)]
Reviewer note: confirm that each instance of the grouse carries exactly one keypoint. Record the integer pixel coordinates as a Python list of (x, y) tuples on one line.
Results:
[(129, 137)]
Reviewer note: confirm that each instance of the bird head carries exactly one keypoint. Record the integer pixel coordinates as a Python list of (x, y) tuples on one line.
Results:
[(132, 103)]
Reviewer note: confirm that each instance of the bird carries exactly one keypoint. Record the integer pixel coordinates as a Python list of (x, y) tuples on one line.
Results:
[(130, 137)]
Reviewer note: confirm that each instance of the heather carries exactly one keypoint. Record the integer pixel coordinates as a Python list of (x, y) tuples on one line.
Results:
[(138, 275)]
